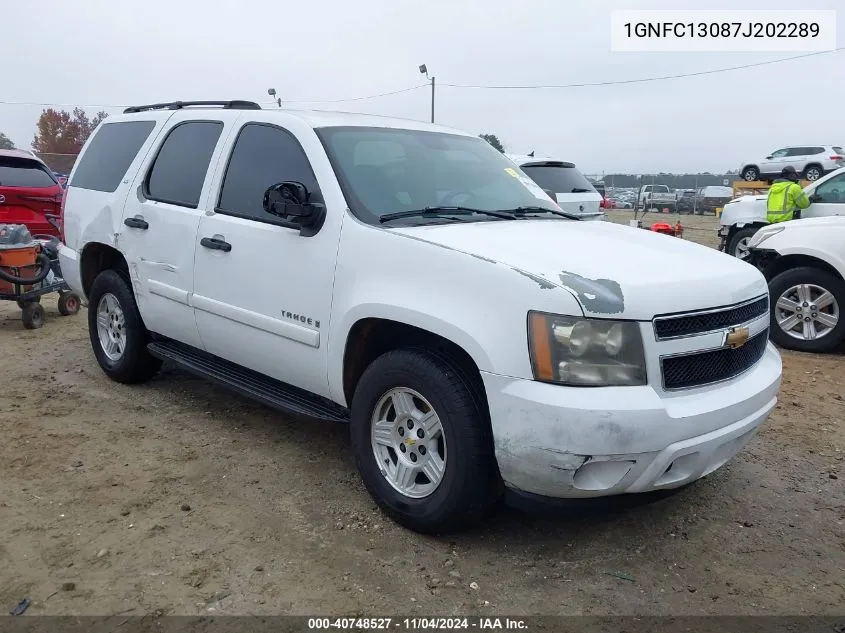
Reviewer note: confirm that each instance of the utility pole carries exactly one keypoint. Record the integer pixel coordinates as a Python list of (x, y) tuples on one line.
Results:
[(424, 71), (432, 99)]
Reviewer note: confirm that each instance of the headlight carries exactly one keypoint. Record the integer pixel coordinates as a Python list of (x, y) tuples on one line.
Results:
[(764, 234), (585, 352)]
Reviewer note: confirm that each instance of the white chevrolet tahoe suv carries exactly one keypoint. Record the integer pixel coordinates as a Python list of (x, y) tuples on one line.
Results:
[(412, 281)]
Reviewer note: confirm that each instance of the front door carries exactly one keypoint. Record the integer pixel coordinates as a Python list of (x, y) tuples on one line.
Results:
[(262, 291), (774, 163), (160, 226), (832, 198)]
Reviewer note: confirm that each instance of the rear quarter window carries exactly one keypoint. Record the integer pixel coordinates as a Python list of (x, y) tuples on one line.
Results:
[(109, 154), (21, 172)]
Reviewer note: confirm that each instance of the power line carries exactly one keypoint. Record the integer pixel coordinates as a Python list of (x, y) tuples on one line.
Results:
[(382, 94), (284, 101), (645, 79), (478, 87)]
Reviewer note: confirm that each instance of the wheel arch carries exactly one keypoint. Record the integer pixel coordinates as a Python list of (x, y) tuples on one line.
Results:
[(815, 164), (97, 257), (370, 337), (800, 260)]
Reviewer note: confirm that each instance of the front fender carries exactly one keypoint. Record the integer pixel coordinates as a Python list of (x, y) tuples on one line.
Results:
[(785, 246), (476, 303), (744, 213)]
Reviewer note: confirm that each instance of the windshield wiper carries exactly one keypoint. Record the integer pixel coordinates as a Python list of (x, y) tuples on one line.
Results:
[(522, 211), (439, 212), (578, 190)]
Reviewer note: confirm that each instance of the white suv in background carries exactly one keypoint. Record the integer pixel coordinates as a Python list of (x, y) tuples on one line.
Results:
[(810, 161), (410, 280), (563, 183)]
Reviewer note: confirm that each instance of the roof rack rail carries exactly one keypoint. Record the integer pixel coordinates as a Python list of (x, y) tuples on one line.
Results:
[(178, 105)]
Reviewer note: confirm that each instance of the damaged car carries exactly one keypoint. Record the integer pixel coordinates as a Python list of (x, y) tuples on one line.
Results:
[(411, 281)]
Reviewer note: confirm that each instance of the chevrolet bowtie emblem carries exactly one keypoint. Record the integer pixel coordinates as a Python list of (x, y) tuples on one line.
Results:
[(736, 337)]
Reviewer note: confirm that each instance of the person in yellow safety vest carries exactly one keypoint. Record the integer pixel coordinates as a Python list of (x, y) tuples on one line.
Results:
[(786, 197)]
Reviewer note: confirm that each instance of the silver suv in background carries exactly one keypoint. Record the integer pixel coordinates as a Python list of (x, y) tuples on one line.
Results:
[(810, 161), (564, 184)]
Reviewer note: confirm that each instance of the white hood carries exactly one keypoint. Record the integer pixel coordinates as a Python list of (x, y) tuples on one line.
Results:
[(612, 270)]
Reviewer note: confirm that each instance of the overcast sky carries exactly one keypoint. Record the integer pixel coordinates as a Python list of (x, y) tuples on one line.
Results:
[(81, 53)]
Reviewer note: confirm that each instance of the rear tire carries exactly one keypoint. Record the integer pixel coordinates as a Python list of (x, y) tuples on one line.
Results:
[(750, 174), (118, 336), (469, 482), (738, 242), (813, 172), (785, 287)]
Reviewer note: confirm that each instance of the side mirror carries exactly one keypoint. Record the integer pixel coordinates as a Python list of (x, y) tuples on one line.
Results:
[(290, 201), (551, 194), (815, 197)]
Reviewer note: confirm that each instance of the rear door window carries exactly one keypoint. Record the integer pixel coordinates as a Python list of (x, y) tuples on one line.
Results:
[(108, 156), (21, 172), (559, 179), (179, 169)]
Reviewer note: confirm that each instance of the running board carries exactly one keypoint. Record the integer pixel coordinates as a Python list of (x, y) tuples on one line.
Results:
[(270, 392)]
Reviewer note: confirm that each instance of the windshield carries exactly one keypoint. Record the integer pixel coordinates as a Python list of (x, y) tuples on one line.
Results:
[(386, 171), (22, 172), (559, 178)]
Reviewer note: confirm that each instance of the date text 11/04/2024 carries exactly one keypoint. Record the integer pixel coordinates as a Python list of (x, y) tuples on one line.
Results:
[(417, 624), (722, 29)]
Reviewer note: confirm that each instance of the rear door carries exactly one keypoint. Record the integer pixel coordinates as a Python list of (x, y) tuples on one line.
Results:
[(28, 193), (161, 217), (574, 193), (832, 194)]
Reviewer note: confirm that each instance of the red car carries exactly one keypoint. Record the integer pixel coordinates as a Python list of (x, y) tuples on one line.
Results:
[(28, 192)]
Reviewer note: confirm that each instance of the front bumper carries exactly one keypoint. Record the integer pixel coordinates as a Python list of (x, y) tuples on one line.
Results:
[(566, 442), (722, 233)]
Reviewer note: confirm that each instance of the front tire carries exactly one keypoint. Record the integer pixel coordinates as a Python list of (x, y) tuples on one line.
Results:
[(738, 243), (807, 310), (117, 333), (423, 443), (750, 174)]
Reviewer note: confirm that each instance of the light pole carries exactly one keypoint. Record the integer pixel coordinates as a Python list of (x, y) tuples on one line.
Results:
[(272, 93), (424, 71)]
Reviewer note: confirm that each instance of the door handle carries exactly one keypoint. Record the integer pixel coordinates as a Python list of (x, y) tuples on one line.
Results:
[(137, 223), (216, 244)]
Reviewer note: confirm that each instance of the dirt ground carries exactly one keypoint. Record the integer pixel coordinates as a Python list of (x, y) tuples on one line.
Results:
[(178, 498)]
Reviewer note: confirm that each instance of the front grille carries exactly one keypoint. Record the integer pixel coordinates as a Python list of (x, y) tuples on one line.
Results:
[(701, 322), (704, 368)]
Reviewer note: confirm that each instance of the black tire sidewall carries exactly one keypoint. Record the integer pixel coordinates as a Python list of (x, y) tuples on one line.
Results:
[(134, 364), (33, 315), (819, 277), (737, 235), (64, 308), (750, 170), (811, 168), (468, 485)]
